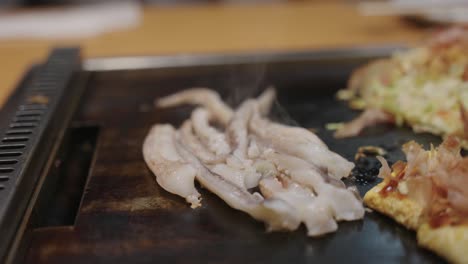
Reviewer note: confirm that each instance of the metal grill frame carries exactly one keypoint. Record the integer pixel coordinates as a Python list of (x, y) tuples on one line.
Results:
[(31, 119)]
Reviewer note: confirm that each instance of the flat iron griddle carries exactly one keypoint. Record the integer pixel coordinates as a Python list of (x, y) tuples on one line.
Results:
[(95, 200)]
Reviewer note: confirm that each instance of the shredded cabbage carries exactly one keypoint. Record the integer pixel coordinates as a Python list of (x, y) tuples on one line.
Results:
[(423, 87)]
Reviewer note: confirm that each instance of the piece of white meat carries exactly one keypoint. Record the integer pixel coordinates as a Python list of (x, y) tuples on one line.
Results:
[(275, 213), (313, 210), (193, 143), (301, 143), (172, 172), (213, 139), (341, 201), (205, 97)]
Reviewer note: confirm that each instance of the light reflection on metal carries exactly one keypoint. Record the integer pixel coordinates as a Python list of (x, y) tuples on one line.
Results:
[(184, 60)]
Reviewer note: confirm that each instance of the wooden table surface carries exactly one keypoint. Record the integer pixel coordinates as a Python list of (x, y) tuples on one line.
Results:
[(221, 28)]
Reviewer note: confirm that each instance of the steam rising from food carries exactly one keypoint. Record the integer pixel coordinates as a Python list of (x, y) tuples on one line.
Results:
[(297, 176)]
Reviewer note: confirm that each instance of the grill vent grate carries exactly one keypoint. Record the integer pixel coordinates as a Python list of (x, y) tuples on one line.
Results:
[(27, 122), (34, 122), (24, 122)]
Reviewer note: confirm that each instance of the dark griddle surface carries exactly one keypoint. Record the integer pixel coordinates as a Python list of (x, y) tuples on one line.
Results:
[(125, 217)]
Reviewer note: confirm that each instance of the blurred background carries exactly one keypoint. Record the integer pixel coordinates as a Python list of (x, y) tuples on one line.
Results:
[(30, 28)]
